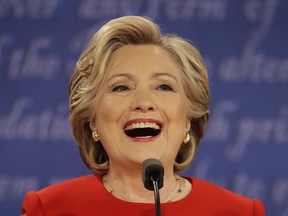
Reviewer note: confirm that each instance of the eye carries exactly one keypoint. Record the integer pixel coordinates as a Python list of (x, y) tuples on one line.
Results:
[(165, 87), (120, 88)]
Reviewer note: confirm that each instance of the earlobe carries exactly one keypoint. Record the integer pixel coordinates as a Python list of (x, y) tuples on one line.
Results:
[(95, 135), (188, 125), (187, 132), (92, 125)]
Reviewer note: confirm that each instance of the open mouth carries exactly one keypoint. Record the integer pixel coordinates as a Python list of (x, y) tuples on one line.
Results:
[(142, 130)]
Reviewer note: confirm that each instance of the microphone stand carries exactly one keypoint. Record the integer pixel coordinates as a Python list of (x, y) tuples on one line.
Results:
[(157, 197)]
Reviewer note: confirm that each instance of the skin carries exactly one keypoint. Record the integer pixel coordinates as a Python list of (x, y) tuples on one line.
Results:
[(142, 83)]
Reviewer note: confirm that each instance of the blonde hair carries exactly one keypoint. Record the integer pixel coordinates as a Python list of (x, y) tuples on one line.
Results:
[(90, 70)]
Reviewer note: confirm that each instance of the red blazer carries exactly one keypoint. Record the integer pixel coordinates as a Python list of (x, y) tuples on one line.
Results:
[(87, 196)]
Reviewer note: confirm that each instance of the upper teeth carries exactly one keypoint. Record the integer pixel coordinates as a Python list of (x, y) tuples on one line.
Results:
[(142, 125)]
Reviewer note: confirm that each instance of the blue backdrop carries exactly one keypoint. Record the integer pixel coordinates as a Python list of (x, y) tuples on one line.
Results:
[(245, 46)]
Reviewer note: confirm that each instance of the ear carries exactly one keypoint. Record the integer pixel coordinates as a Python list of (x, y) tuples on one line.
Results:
[(92, 125), (188, 125)]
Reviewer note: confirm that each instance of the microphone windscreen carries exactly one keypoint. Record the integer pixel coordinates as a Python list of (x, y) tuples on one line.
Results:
[(152, 169)]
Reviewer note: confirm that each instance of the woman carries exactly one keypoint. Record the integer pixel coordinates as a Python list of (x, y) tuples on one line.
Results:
[(138, 94)]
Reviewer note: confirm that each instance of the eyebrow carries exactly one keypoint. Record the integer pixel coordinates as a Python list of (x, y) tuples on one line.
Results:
[(164, 74), (130, 76), (127, 75)]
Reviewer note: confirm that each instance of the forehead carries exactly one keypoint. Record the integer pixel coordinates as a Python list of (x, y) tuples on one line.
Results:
[(141, 58)]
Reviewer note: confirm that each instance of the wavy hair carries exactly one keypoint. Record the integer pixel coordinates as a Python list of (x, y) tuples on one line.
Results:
[(90, 69)]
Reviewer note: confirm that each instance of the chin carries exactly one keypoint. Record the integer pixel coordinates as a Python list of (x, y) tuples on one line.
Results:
[(142, 157)]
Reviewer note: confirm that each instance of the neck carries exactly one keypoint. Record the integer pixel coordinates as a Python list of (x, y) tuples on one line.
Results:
[(128, 185)]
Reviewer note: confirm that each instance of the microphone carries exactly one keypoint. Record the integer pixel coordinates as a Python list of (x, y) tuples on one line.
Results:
[(152, 177)]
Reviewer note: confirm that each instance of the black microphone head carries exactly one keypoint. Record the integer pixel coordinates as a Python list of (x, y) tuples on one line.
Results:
[(152, 170)]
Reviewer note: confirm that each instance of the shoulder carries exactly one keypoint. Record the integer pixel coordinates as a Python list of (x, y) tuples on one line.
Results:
[(57, 196), (209, 189), (218, 196), (73, 187)]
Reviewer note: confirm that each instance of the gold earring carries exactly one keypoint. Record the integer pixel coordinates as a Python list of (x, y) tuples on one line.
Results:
[(95, 136), (186, 138)]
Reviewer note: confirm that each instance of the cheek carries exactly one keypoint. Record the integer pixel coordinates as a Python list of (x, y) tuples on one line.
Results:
[(108, 110), (177, 110), (106, 121)]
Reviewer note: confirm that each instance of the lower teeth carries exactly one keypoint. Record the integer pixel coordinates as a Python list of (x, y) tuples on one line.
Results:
[(143, 137)]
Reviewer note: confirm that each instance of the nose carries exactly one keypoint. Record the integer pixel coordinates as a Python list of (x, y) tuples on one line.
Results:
[(143, 101)]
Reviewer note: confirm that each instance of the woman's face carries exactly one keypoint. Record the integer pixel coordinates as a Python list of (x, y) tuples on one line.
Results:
[(141, 107)]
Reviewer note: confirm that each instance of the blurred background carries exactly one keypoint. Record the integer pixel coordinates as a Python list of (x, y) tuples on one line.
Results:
[(244, 43)]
